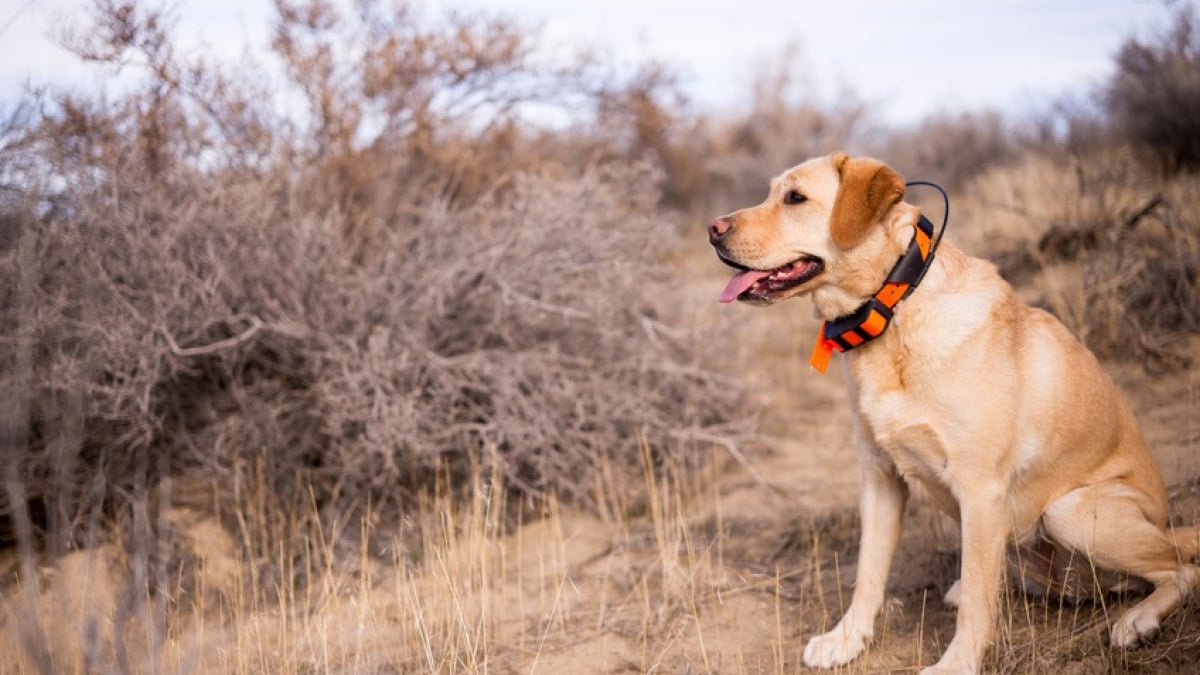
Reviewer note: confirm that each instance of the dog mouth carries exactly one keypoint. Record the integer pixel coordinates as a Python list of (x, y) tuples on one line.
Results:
[(751, 285)]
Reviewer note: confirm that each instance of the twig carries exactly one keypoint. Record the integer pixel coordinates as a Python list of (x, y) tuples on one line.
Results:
[(256, 325), (1147, 209), (734, 452), (568, 312)]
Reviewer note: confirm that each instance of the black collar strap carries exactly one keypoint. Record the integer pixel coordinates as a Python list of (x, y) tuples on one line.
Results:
[(872, 317)]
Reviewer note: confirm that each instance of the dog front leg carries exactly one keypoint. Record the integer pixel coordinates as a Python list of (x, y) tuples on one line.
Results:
[(984, 533), (881, 506)]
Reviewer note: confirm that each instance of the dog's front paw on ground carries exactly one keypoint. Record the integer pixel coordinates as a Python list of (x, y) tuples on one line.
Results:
[(1135, 627), (834, 648)]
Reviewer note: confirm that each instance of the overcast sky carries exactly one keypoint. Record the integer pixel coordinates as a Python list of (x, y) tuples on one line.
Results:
[(907, 58)]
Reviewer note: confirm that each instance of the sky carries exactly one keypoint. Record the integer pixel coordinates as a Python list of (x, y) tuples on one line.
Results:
[(906, 59)]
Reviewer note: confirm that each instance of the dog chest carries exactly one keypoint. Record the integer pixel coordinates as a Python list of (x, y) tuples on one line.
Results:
[(901, 428)]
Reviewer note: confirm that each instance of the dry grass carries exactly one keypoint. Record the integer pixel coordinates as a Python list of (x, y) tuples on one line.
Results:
[(1104, 244), (697, 582)]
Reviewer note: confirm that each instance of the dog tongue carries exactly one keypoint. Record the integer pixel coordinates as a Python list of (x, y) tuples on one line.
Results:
[(740, 282)]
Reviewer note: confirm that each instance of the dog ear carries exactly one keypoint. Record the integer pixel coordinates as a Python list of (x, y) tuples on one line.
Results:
[(867, 190)]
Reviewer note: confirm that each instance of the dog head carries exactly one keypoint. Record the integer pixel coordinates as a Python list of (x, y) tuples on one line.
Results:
[(828, 227)]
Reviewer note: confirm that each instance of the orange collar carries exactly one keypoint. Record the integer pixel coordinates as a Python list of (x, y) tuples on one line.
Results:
[(872, 317)]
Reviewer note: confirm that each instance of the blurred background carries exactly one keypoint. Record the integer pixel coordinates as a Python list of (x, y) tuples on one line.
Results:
[(302, 269)]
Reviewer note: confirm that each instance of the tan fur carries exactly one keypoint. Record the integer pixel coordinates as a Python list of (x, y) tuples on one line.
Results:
[(993, 407)]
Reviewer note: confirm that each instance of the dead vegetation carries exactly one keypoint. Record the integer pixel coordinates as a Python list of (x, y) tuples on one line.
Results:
[(1153, 96), (298, 374), (1105, 245), (190, 291)]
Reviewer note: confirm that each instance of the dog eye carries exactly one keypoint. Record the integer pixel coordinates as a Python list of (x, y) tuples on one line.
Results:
[(794, 197)]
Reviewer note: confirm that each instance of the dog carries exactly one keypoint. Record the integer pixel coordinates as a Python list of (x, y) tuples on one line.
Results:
[(992, 406)]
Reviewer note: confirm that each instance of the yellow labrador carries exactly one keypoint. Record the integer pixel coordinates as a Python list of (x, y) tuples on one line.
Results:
[(992, 406)]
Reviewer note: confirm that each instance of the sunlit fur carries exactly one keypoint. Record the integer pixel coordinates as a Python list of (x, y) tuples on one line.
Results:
[(1005, 419)]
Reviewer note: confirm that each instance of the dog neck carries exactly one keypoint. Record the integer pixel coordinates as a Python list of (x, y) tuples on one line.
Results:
[(864, 278), (873, 315)]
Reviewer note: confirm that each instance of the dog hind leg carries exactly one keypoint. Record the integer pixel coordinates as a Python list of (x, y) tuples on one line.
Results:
[(1104, 522), (1186, 541)]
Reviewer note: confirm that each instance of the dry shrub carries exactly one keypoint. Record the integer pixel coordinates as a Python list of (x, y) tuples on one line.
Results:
[(647, 118), (953, 149), (1140, 282), (334, 306), (777, 124), (1106, 245), (203, 324), (536, 339), (1153, 97)]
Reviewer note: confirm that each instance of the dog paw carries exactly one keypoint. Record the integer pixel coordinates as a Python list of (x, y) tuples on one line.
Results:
[(834, 648), (1135, 627), (953, 595)]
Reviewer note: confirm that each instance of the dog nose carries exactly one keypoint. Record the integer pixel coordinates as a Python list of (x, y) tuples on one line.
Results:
[(718, 228)]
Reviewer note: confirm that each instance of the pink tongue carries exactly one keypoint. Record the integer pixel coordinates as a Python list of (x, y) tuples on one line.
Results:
[(740, 282)]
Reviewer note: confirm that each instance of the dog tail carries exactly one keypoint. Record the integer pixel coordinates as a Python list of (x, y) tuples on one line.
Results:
[(1187, 542)]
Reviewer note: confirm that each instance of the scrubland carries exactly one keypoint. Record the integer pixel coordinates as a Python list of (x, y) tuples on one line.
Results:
[(351, 364)]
